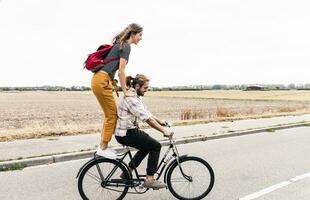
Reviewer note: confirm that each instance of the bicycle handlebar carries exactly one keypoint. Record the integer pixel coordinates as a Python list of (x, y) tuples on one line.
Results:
[(169, 124)]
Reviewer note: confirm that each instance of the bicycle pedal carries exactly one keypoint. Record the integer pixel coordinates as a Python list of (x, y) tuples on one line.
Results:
[(159, 188)]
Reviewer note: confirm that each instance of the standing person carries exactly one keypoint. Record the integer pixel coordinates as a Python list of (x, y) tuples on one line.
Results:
[(131, 110), (103, 81)]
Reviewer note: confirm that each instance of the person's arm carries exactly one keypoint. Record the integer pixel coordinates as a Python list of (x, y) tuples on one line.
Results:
[(159, 121), (154, 124), (123, 59), (137, 109), (122, 75)]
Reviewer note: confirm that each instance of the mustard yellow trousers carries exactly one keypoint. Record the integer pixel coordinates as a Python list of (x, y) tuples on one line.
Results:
[(102, 87)]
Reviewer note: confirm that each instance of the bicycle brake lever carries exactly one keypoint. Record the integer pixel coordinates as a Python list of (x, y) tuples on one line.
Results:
[(168, 124)]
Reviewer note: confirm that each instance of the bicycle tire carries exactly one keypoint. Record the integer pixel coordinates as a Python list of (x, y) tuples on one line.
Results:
[(196, 165), (96, 178)]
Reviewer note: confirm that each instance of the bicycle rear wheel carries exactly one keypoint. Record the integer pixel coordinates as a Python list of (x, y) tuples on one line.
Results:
[(100, 179), (197, 181)]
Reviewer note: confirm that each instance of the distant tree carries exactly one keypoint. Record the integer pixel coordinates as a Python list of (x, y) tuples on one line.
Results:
[(291, 86), (219, 87), (5, 89), (307, 86), (85, 88)]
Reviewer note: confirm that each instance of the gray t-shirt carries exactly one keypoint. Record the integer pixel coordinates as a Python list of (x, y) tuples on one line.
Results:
[(116, 52)]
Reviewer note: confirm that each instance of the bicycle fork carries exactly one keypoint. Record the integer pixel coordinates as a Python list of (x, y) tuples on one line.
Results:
[(175, 151)]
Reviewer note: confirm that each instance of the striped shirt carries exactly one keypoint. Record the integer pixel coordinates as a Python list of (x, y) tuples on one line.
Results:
[(130, 111)]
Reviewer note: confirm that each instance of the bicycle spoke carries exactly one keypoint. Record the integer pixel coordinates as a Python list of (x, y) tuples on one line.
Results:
[(98, 194), (108, 195), (190, 191), (93, 176), (182, 179), (113, 193), (184, 187)]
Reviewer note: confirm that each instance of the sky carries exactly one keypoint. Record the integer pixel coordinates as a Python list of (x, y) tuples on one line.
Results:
[(184, 42)]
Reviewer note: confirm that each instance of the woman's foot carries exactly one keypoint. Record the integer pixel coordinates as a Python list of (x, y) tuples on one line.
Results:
[(107, 153)]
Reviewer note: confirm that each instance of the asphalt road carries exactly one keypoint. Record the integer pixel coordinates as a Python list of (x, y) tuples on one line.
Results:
[(265, 166)]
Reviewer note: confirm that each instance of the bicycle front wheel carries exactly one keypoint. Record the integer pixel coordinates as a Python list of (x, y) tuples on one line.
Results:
[(193, 179), (101, 179)]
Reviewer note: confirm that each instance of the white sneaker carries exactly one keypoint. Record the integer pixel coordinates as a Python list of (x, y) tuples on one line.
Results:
[(107, 153)]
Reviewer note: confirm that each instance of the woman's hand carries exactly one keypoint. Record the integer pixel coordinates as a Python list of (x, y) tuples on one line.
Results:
[(128, 93), (125, 92)]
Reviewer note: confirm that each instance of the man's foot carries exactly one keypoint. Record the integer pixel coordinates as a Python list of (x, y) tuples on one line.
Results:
[(155, 184), (107, 153)]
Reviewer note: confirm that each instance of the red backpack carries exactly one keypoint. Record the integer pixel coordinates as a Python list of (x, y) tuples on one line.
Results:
[(96, 60)]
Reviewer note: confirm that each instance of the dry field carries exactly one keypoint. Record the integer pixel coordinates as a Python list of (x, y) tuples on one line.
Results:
[(40, 114), (238, 94)]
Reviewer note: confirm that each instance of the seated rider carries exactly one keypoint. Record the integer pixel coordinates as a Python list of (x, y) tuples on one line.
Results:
[(131, 110)]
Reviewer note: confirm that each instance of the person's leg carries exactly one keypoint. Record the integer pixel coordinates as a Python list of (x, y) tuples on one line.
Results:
[(153, 158), (109, 108), (145, 144), (139, 155), (153, 147), (102, 88)]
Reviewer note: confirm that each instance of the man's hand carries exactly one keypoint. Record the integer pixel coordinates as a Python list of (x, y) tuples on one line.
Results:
[(155, 123), (163, 123), (168, 134)]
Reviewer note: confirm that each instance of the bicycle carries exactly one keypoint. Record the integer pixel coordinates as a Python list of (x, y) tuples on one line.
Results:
[(106, 174)]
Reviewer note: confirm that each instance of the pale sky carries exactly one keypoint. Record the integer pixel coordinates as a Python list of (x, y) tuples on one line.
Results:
[(185, 42)]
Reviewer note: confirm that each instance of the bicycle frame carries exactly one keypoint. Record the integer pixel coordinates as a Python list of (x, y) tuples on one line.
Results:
[(165, 163), (160, 169)]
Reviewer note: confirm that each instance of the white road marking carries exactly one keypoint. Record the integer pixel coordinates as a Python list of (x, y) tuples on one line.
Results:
[(297, 178), (275, 187), (265, 191)]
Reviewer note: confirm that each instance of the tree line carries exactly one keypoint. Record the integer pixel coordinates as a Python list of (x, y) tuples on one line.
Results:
[(174, 88)]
